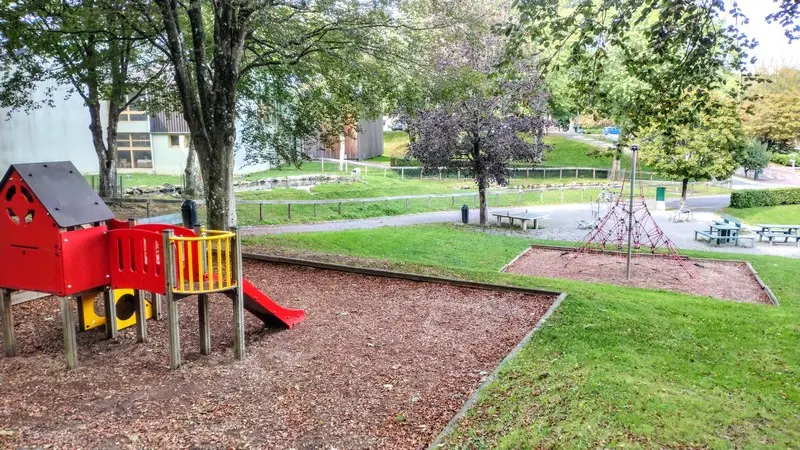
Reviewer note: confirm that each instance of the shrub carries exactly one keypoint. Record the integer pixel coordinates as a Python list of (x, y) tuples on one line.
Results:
[(765, 197), (778, 158)]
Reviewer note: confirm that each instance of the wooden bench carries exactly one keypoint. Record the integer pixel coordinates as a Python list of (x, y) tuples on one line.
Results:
[(712, 237), (772, 237), (524, 218)]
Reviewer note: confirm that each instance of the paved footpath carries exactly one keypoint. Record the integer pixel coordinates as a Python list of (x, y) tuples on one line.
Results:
[(560, 224)]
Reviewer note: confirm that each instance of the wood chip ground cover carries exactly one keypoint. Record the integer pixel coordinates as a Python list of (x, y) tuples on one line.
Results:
[(378, 363), (727, 280)]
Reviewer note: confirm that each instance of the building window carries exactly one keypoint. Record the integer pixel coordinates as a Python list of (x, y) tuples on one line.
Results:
[(174, 140), (133, 113), (134, 151)]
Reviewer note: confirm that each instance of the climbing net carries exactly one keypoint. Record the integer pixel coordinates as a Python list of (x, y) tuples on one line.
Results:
[(611, 234)]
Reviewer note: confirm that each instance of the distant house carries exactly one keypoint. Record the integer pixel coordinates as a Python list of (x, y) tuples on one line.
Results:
[(366, 143), (151, 144), (157, 144)]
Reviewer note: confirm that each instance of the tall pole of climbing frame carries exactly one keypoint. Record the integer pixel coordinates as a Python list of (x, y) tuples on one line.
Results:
[(634, 152)]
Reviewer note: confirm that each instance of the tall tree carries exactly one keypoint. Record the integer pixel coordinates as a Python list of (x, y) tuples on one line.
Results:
[(711, 148), (479, 120), (88, 47), (216, 46), (637, 61), (755, 157), (772, 111)]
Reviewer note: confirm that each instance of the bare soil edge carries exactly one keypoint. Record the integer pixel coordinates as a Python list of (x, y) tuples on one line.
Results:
[(772, 298), (472, 400)]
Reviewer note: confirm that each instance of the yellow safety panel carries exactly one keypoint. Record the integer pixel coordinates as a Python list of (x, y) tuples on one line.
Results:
[(90, 319), (204, 263)]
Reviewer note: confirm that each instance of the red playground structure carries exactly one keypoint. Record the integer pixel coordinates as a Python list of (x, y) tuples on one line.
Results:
[(57, 236)]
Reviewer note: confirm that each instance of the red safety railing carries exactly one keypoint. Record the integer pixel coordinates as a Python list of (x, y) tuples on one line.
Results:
[(136, 260)]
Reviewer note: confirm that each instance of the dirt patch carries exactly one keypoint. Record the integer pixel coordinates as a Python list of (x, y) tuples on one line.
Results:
[(727, 280), (377, 363)]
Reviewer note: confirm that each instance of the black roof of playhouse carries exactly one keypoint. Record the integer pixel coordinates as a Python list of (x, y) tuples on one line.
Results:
[(63, 192)]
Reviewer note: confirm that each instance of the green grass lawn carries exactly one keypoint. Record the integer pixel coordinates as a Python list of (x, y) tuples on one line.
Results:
[(139, 179), (395, 144), (614, 366), (377, 186), (785, 214), (574, 153)]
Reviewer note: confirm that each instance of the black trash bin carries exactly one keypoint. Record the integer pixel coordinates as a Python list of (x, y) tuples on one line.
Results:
[(189, 214), (465, 214)]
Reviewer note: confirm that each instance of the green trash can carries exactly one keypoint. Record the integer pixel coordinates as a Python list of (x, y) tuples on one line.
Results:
[(661, 198)]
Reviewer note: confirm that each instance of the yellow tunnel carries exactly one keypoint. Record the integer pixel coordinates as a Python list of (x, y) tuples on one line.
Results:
[(126, 317)]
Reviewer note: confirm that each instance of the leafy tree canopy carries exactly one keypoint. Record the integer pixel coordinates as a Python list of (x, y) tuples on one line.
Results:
[(710, 148), (772, 113), (480, 116), (755, 157)]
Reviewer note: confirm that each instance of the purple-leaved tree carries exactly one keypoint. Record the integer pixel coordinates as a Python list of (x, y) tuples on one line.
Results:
[(480, 118)]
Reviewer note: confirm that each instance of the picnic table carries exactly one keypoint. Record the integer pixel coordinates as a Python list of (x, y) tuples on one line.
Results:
[(787, 229), (726, 230), (524, 218), (773, 232), (722, 232)]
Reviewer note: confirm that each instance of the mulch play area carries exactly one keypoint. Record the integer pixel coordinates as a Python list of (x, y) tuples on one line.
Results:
[(727, 280), (378, 362)]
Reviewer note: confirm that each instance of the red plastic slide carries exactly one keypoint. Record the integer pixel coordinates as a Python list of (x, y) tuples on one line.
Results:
[(263, 307)]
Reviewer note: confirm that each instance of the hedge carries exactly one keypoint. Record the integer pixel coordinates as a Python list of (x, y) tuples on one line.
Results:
[(767, 197)]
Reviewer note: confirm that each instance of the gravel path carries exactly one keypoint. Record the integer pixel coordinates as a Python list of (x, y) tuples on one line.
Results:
[(378, 363), (717, 279)]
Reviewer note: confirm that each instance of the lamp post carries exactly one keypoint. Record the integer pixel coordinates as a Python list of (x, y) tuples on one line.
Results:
[(634, 152)]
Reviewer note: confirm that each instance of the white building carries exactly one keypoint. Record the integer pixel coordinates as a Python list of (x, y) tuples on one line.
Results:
[(150, 144), (157, 144)]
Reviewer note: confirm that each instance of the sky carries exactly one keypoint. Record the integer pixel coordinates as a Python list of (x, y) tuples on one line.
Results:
[(774, 49)]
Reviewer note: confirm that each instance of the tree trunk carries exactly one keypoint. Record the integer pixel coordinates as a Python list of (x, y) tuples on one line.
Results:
[(684, 189), (107, 164), (194, 179), (484, 210), (616, 168), (218, 181)]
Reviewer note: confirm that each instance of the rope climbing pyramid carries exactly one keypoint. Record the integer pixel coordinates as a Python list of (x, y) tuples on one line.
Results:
[(629, 223)]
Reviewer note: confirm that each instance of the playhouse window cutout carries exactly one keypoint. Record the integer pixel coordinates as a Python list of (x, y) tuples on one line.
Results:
[(10, 192)]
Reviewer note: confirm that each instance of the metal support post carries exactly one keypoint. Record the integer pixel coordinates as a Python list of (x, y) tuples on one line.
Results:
[(634, 153)]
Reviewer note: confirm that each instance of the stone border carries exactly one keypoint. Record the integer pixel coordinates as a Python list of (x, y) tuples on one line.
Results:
[(772, 298)]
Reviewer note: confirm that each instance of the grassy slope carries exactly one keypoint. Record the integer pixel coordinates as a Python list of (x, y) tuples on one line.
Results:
[(615, 365), (786, 214), (395, 143), (573, 153)]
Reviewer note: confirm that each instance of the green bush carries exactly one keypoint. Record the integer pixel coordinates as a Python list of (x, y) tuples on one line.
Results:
[(777, 158), (767, 197), (783, 159)]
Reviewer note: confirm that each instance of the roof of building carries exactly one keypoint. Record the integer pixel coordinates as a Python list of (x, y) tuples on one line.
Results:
[(168, 123), (63, 192)]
